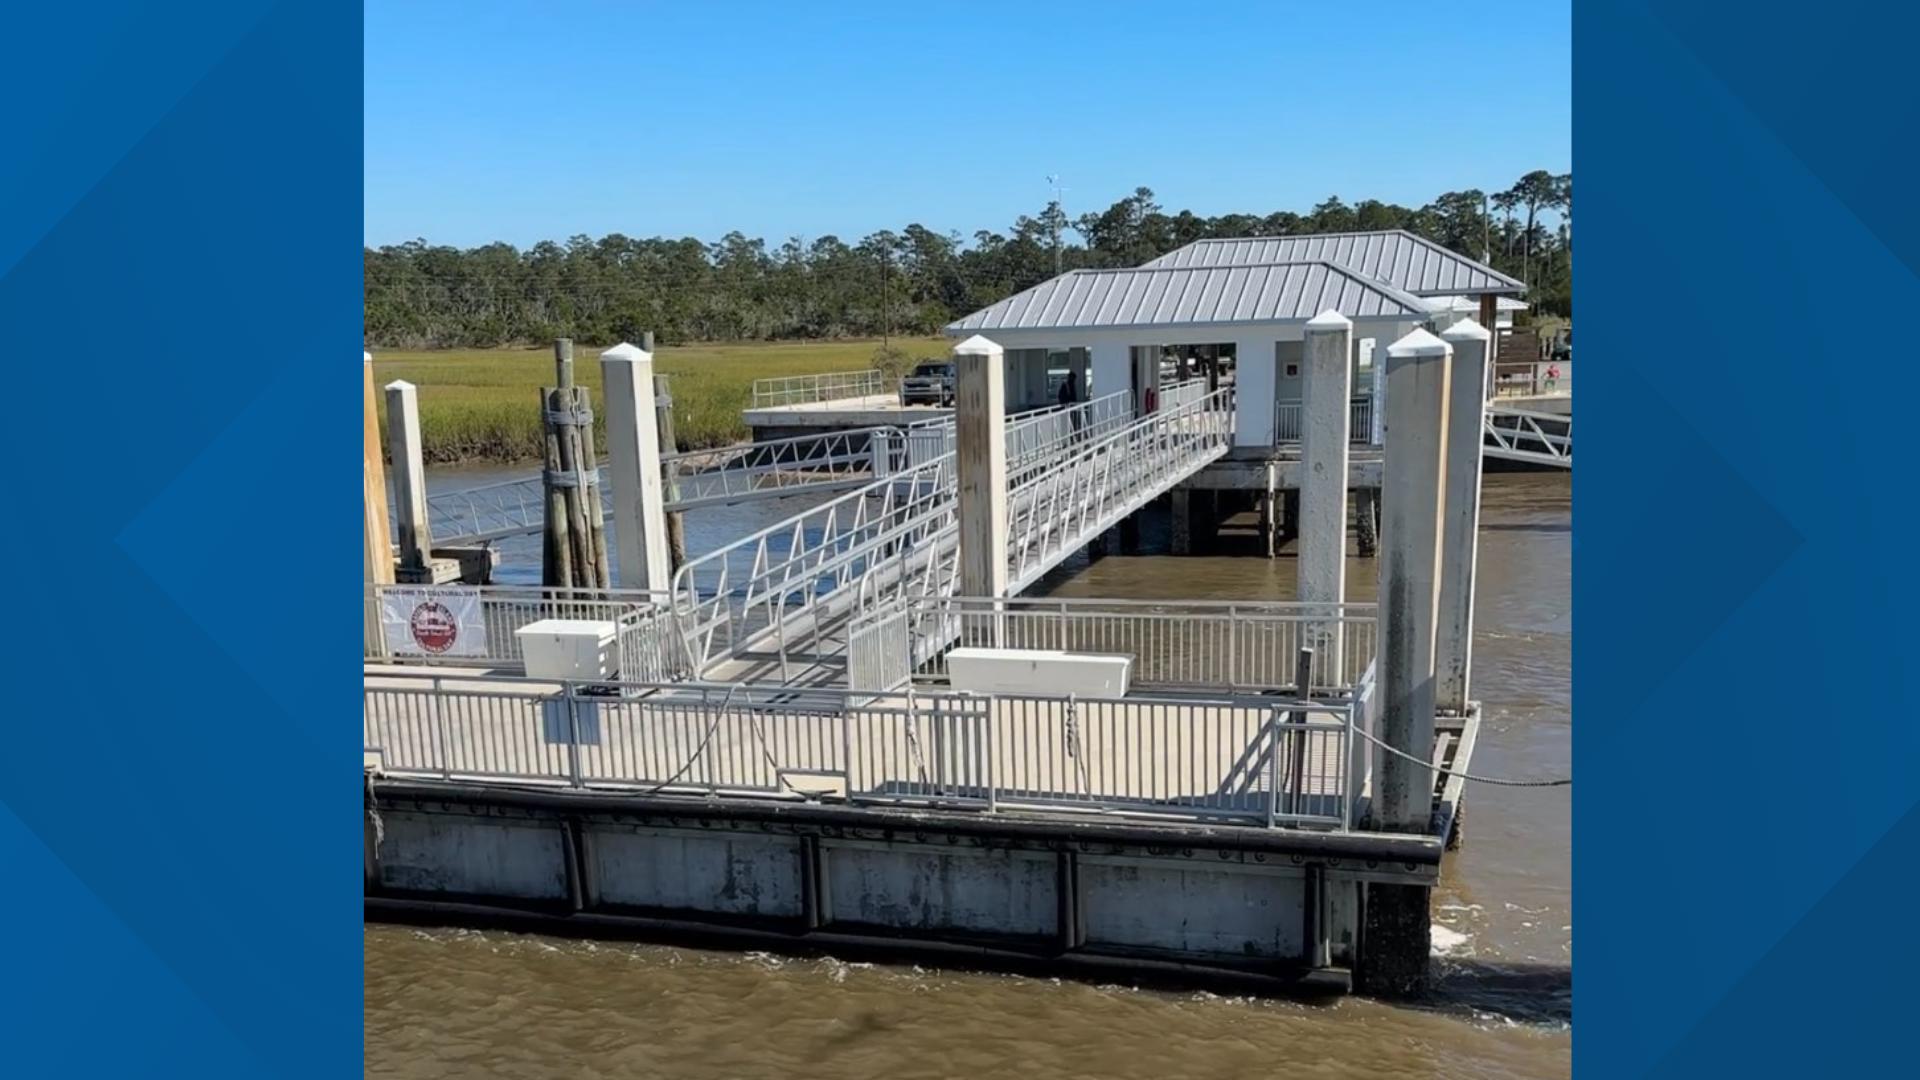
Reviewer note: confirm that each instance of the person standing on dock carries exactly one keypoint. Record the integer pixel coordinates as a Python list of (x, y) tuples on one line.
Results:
[(1070, 396)]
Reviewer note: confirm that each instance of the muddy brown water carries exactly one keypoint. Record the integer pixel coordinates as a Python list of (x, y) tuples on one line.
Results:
[(460, 1003)]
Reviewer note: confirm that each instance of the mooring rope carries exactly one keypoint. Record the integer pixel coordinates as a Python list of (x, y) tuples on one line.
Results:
[(713, 726), (1500, 781)]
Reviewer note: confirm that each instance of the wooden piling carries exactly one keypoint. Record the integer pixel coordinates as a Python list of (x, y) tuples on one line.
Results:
[(669, 444), (576, 542), (379, 539)]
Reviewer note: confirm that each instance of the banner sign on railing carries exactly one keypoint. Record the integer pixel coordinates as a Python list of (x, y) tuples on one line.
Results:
[(437, 621)]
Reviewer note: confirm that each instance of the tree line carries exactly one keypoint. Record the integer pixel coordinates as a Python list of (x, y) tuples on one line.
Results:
[(908, 282)]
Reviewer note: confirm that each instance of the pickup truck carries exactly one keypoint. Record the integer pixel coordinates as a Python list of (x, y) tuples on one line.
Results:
[(931, 383)]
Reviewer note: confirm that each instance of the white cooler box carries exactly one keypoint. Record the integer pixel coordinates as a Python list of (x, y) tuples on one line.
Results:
[(586, 650), (1047, 672)]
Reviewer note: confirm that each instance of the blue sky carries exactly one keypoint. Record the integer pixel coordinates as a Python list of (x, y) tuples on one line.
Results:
[(527, 121)]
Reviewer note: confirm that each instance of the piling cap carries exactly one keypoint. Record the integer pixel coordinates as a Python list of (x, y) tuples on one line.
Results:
[(627, 352), (366, 357), (1329, 321), (1466, 330), (978, 346), (1419, 343)]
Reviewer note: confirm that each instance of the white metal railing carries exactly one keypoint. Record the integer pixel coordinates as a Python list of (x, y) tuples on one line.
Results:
[(1288, 421), (879, 656), (1523, 435), (475, 626), (1184, 392), (1178, 644), (1253, 760), (726, 597), (1031, 435), (898, 536), (808, 389), (1102, 481), (804, 464), (814, 463)]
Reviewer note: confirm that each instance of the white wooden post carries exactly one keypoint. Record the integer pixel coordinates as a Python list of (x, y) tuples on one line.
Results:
[(1413, 503), (980, 444), (1326, 419), (633, 459), (1460, 539)]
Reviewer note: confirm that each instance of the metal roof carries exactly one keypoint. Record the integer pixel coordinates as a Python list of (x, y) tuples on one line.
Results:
[(1471, 304), (1188, 296), (1394, 256)]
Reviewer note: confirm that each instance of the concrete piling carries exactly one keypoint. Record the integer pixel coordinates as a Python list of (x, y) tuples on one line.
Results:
[(409, 477), (1460, 538), (1413, 503), (1325, 422), (980, 444), (633, 460)]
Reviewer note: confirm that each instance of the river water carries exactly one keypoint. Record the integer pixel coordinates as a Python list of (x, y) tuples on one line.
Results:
[(454, 1003)]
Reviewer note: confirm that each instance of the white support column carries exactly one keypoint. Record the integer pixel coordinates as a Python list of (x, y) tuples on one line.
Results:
[(1326, 417), (1146, 377), (1082, 364), (1460, 539), (1254, 380), (1112, 369), (1036, 396), (1413, 504), (980, 444), (409, 475), (633, 462)]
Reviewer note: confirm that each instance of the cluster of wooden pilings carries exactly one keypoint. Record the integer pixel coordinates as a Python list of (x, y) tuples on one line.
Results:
[(578, 554), (574, 545)]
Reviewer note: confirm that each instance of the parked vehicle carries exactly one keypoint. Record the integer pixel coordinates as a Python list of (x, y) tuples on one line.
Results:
[(1562, 348), (931, 383)]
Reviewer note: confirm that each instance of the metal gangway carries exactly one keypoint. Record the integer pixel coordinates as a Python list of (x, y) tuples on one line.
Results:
[(820, 464), (1540, 438), (785, 595), (777, 468)]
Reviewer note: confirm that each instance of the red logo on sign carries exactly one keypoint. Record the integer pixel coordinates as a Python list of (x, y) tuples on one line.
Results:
[(434, 627)]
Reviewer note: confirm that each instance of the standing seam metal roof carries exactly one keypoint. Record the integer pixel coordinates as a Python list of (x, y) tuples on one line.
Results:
[(1194, 295), (1394, 256)]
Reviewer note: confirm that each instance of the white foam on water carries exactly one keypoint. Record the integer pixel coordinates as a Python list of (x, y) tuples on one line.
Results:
[(1447, 941)]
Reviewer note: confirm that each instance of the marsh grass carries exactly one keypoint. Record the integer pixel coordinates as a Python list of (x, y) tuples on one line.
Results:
[(484, 404)]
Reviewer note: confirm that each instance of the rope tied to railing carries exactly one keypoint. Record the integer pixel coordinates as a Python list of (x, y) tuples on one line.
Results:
[(1499, 781), (1074, 746)]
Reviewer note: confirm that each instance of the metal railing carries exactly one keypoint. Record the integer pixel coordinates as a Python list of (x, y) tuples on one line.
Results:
[(1545, 378), (1523, 435), (1175, 645), (804, 464), (485, 620), (1288, 421), (1057, 508), (1239, 759), (1032, 435), (808, 389), (1185, 392), (898, 536), (724, 599), (815, 463)]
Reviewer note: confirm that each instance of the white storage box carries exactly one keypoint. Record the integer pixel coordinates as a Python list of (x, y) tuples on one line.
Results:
[(1046, 672), (583, 649)]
